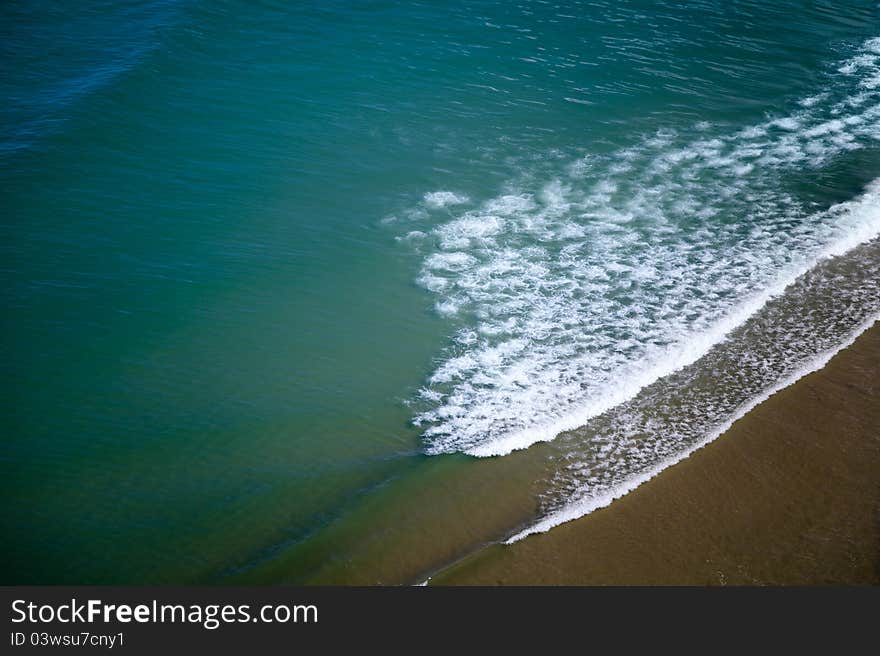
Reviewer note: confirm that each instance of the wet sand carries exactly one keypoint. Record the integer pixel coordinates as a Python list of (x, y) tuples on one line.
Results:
[(789, 495)]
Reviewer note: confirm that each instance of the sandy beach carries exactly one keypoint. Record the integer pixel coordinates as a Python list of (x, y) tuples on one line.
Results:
[(789, 495)]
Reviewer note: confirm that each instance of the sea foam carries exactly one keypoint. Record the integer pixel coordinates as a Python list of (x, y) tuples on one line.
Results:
[(589, 499), (583, 289)]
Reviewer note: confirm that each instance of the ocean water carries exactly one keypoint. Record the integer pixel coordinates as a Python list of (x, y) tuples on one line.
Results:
[(338, 292)]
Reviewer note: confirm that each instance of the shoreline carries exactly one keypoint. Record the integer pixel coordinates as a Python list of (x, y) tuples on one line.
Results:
[(789, 494)]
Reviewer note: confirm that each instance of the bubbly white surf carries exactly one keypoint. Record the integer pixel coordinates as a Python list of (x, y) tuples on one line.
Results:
[(591, 499), (577, 292)]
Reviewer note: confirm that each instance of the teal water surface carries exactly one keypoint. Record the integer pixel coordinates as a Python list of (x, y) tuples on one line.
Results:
[(274, 272)]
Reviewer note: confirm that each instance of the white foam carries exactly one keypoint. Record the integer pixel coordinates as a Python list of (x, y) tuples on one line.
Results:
[(455, 261), (812, 100), (835, 125), (787, 123), (582, 288), (461, 232), (864, 215), (586, 505), (440, 199)]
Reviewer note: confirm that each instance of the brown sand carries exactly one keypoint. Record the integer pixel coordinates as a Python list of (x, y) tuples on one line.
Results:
[(789, 495)]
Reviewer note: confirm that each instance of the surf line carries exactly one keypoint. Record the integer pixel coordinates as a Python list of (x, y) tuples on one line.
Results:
[(584, 506)]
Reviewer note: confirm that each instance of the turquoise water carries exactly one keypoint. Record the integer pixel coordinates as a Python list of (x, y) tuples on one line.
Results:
[(274, 273)]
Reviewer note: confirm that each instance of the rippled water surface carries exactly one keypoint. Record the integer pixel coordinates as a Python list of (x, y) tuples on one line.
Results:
[(275, 273)]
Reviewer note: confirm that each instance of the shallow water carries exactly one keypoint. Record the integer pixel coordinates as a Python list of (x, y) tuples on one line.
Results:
[(273, 275)]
